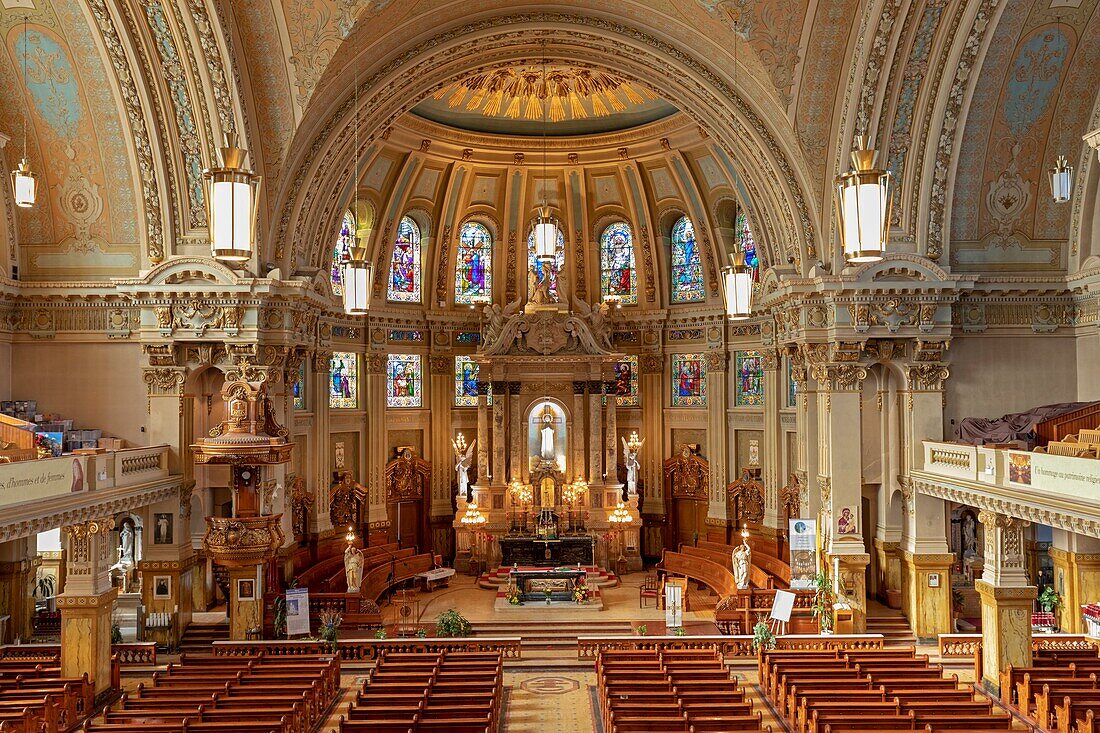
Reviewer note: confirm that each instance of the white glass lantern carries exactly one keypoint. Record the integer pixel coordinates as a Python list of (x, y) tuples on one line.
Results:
[(232, 195), (1061, 180), (358, 282), (738, 285), (863, 206), (24, 185), (546, 235)]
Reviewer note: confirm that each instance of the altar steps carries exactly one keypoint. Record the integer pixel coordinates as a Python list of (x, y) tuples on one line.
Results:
[(551, 642), (498, 578)]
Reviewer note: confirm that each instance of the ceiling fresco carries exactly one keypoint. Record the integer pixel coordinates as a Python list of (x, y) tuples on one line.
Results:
[(969, 102)]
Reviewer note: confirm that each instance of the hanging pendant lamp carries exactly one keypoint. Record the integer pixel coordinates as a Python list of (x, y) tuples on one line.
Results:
[(24, 182), (358, 281), (545, 226), (863, 200), (232, 200), (738, 286), (1061, 180)]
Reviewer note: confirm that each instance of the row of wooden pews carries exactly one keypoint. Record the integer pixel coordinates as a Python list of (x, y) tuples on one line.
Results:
[(1058, 691), (449, 692), (250, 694), (671, 691), (35, 698), (840, 691)]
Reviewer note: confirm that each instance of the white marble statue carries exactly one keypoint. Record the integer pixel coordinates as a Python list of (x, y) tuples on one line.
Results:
[(462, 467), (969, 537), (547, 452), (742, 561), (126, 545), (630, 459), (353, 567)]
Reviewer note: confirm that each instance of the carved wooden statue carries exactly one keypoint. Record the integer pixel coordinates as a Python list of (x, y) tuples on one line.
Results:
[(345, 498), (301, 502)]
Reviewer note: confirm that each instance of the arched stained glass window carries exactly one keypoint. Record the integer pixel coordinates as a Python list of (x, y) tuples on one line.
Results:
[(544, 268), (474, 267), (341, 252), (618, 276), (745, 241), (687, 265), (404, 283)]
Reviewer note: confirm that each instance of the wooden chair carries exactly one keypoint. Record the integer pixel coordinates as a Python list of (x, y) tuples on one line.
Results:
[(650, 589)]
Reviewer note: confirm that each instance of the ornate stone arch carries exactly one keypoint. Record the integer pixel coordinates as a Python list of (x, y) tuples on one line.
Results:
[(774, 176)]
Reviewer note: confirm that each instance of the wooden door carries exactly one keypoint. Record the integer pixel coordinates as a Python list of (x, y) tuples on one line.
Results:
[(687, 521), (409, 524)]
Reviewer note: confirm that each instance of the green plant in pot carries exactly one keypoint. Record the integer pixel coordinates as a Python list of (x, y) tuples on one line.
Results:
[(381, 633), (44, 586), (451, 623), (824, 598), (116, 634), (641, 629), (279, 615), (762, 637), (1049, 600)]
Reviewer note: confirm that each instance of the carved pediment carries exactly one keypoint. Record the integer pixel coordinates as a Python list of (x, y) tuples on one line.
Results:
[(548, 331), (748, 495), (407, 476), (689, 474)]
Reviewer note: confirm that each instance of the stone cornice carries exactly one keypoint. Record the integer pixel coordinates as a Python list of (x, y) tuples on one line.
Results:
[(1027, 505), (29, 519)]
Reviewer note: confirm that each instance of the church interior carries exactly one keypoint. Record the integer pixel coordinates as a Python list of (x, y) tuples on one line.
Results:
[(619, 365)]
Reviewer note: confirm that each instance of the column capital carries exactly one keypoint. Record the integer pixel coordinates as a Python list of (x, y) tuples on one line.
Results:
[(651, 363), (769, 359), (1004, 549), (374, 363), (441, 364), (842, 377), (716, 361), (927, 377), (322, 361)]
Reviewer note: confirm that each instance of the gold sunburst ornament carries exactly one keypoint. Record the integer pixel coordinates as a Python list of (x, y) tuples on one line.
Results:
[(562, 93)]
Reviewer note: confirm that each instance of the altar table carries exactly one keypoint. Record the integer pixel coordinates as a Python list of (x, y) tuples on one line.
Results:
[(538, 552)]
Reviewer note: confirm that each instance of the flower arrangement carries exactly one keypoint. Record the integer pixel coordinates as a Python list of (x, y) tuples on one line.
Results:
[(824, 599), (330, 623), (512, 595), (641, 629), (762, 637), (451, 623), (679, 631), (581, 593)]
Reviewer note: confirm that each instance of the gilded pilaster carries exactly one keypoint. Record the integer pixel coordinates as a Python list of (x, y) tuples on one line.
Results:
[(374, 395)]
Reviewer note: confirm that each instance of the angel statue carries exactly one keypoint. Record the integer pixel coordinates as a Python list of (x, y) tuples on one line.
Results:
[(742, 561), (462, 468), (353, 567), (630, 459)]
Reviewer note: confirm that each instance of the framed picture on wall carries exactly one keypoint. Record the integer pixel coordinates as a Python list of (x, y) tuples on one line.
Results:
[(246, 589), (162, 528), (162, 587)]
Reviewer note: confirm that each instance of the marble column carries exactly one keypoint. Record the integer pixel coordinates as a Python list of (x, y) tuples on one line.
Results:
[(1007, 598), (717, 437), (483, 471), (87, 602), (319, 472), (18, 575), (245, 610), (611, 438), (595, 432), (441, 452), (374, 402), (576, 437), (515, 432), (1076, 561), (499, 430), (807, 425), (841, 482), (772, 449)]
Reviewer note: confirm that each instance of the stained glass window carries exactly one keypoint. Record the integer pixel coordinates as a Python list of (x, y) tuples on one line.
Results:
[(689, 380), (300, 387), (343, 389), (403, 381), (687, 266), (474, 268), (626, 382), (746, 241), (618, 276), (341, 252), (750, 379), (792, 386), (466, 371), (404, 284), (544, 268)]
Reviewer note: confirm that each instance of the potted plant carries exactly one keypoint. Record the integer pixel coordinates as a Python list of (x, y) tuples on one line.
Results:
[(512, 595), (330, 624), (44, 586), (762, 637), (451, 623), (380, 633), (116, 633), (679, 631), (279, 615), (581, 593), (1049, 600), (641, 629), (421, 633), (824, 598)]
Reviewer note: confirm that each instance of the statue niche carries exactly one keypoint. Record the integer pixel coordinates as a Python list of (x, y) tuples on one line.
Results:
[(546, 444)]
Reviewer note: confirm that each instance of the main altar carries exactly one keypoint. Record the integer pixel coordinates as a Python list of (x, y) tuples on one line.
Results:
[(547, 445)]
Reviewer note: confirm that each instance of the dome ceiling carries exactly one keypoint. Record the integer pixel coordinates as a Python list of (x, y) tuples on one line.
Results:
[(530, 99)]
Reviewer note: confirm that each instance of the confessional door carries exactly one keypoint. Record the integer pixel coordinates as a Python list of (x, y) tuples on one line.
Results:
[(690, 516), (406, 517)]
